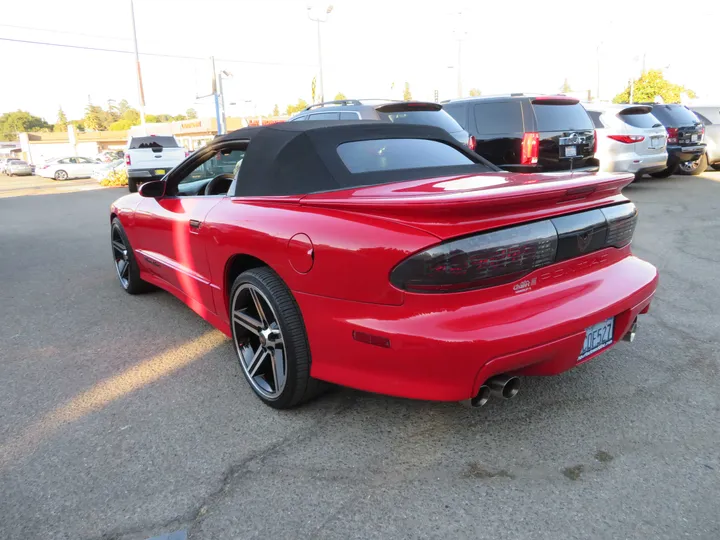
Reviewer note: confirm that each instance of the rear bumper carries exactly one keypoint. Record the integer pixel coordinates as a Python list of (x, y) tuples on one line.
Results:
[(443, 347), (634, 163), (679, 154), (148, 174)]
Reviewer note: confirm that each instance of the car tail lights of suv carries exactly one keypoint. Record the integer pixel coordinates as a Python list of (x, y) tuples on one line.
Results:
[(527, 133)]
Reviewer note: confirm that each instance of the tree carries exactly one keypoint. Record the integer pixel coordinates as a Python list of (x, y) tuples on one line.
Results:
[(565, 88), (651, 84), (123, 107), (62, 121), (121, 125), (475, 92), (313, 89), (299, 106), (407, 95), (94, 118), (276, 110), (191, 114), (339, 96), (20, 121)]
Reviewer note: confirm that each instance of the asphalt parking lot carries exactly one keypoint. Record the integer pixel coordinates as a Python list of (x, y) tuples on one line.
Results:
[(19, 186), (128, 417)]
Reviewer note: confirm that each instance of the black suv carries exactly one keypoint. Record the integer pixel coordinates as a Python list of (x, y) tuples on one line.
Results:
[(685, 134), (529, 133), (399, 112)]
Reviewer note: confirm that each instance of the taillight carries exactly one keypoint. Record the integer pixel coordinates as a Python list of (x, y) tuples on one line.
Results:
[(530, 148), (127, 159), (594, 141), (472, 142), (506, 255), (627, 139), (672, 135), (187, 153)]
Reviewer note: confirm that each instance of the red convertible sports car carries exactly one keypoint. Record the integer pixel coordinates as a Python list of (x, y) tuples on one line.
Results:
[(388, 258)]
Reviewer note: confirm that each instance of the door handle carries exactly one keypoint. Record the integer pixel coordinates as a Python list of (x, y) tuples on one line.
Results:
[(195, 224)]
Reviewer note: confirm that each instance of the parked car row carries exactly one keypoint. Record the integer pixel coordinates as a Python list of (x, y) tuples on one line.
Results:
[(538, 133), (15, 167)]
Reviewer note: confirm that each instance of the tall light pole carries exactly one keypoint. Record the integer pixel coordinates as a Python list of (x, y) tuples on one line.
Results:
[(460, 34), (320, 18), (141, 92)]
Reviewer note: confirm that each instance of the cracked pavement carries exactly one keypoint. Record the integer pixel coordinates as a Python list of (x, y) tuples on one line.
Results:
[(128, 417)]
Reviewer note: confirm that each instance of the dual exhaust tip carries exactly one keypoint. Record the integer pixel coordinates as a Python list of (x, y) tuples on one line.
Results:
[(507, 386), (502, 386)]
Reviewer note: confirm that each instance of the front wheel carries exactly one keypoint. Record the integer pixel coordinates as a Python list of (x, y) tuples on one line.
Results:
[(696, 167), (665, 172), (270, 340), (126, 265), (61, 175)]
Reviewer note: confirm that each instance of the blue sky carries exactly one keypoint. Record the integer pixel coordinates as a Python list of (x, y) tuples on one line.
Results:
[(367, 46)]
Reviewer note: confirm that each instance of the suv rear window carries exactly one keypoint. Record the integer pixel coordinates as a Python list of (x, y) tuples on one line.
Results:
[(497, 117), (394, 154), (646, 120), (676, 115), (439, 119), (561, 117), (153, 142)]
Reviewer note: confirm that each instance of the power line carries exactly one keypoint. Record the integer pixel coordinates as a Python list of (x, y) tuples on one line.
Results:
[(62, 32), (159, 55)]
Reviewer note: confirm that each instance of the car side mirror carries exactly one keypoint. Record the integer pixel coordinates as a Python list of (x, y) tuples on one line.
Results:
[(152, 190)]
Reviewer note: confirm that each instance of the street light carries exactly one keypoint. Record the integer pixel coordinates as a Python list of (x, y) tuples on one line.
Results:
[(318, 20), (222, 126)]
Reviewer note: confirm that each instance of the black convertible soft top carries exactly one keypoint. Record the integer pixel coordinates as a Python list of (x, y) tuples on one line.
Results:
[(295, 158)]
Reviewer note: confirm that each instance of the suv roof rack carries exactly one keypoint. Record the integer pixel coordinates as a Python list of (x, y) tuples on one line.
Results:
[(335, 102)]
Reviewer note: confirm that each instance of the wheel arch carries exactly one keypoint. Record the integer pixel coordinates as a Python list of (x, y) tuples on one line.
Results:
[(236, 265)]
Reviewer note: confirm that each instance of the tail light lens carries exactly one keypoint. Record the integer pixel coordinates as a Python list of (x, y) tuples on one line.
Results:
[(472, 142), (506, 255), (530, 149), (594, 141), (672, 135), (627, 139), (127, 159)]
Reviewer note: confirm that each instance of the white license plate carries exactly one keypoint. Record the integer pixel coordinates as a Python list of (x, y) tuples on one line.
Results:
[(694, 138), (597, 337), (570, 151), (159, 171), (656, 142)]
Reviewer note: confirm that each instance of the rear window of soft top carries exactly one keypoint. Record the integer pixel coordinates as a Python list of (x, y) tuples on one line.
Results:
[(153, 142)]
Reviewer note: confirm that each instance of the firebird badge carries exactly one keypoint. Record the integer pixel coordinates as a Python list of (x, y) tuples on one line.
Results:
[(583, 240)]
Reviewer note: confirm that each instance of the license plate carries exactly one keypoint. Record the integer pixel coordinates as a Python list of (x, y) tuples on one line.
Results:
[(597, 337), (570, 151), (656, 142), (694, 137), (159, 171)]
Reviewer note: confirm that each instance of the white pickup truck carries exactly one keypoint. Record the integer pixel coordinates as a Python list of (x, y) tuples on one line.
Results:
[(150, 157)]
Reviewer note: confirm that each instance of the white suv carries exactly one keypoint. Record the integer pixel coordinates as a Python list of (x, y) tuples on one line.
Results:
[(630, 139)]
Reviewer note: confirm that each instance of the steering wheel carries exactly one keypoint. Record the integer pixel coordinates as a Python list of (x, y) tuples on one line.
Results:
[(219, 185)]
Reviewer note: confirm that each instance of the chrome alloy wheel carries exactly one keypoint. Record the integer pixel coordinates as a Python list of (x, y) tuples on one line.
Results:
[(122, 260), (689, 166), (258, 341)]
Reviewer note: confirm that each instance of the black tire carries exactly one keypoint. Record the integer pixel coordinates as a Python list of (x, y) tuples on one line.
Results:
[(61, 175), (665, 172), (132, 185), (716, 166), (133, 284), (299, 386), (700, 168), (638, 176)]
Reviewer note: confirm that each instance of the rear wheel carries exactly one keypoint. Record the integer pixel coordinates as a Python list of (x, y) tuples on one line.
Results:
[(716, 166), (61, 175), (665, 172), (696, 167), (126, 265), (270, 340), (132, 185)]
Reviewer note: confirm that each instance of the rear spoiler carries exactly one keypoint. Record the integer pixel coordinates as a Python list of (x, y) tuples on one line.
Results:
[(555, 100), (405, 106)]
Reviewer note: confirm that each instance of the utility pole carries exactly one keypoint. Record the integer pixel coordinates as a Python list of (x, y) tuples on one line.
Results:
[(459, 69), (216, 97), (318, 20), (141, 92), (597, 56)]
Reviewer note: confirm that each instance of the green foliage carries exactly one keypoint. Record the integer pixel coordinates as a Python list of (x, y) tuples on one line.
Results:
[(475, 92), (122, 125), (339, 96), (20, 121), (299, 106), (94, 118), (565, 88), (276, 110), (407, 95), (116, 178), (123, 107), (313, 89), (191, 114), (62, 121), (652, 83)]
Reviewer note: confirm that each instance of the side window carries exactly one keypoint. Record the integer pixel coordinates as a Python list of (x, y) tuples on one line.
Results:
[(64, 161), (325, 116), (459, 112), (349, 116), (73, 160), (595, 117), (498, 117), (298, 118), (221, 162)]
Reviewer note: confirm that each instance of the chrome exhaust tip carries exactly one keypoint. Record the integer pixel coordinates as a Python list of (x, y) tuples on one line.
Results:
[(504, 386), (480, 399), (630, 336)]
